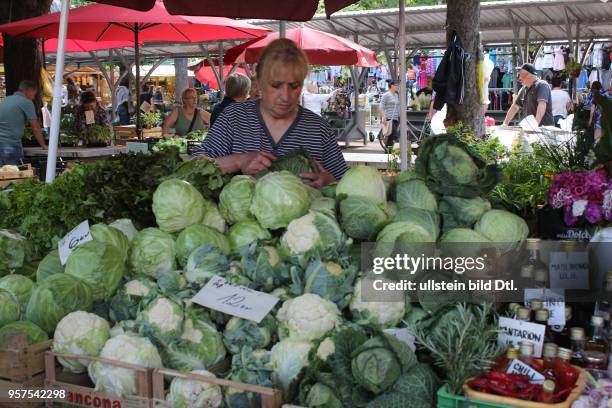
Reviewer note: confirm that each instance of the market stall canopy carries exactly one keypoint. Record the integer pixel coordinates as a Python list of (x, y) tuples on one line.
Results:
[(206, 75), (321, 48), (292, 10), (50, 45)]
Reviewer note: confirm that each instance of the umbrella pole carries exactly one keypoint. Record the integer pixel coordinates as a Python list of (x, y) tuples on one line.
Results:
[(405, 144), (56, 109), (137, 56)]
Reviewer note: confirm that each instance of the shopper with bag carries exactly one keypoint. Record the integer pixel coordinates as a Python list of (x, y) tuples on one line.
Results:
[(390, 108)]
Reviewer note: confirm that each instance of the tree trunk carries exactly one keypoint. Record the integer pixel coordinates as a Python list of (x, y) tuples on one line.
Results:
[(22, 56), (180, 70), (463, 16)]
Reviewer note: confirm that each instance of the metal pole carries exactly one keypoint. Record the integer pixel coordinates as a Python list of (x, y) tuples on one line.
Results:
[(137, 56), (405, 145), (282, 29), (56, 108), (221, 76)]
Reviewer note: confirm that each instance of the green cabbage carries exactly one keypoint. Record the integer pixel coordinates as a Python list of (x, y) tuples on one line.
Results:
[(152, 252), (324, 204), (195, 236), (99, 265), (49, 265), (126, 226), (212, 217), (20, 286), (15, 251), (55, 297), (33, 333), (280, 197), (401, 237), (9, 308), (129, 299), (112, 236), (235, 199), (177, 205), (462, 242), (502, 227), (244, 233), (427, 219), (205, 262), (414, 193), (328, 279), (459, 212), (362, 218), (296, 161), (363, 181), (313, 230), (263, 266), (241, 333)]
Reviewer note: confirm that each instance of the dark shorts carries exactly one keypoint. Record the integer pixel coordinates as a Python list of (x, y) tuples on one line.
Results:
[(10, 155)]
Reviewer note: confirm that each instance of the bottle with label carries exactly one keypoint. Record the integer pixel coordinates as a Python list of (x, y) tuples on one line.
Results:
[(503, 362), (578, 343), (597, 341), (541, 317), (566, 375), (513, 309), (533, 264), (526, 356), (562, 334), (547, 395), (524, 314), (550, 356), (540, 278), (535, 305)]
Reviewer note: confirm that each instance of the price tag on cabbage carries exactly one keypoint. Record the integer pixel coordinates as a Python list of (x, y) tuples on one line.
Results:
[(79, 235), (235, 300)]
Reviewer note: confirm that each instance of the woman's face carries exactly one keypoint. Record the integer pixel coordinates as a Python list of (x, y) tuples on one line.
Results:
[(190, 99), (281, 93), (90, 106)]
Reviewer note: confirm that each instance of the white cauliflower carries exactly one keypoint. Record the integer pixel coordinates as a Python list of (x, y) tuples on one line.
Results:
[(301, 234), (384, 313), (80, 333), (309, 316), (326, 349), (137, 288), (164, 315), (186, 393)]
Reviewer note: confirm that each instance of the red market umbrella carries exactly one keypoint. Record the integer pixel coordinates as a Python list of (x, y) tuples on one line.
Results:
[(291, 10), (206, 75), (321, 48), (80, 45)]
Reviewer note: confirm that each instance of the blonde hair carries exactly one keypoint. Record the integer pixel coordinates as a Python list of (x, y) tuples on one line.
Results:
[(186, 90), (282, 53), (237, 85)]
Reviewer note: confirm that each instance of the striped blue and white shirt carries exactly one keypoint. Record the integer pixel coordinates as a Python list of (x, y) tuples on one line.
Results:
[(241, 129)]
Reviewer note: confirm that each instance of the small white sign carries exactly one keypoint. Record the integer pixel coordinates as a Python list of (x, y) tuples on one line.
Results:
[(403, 335), (235, 300), (145, 107), (79, 235), (90, 117), (137, 147), (569, 270), (513, 332), (518, 367), (553, 300)]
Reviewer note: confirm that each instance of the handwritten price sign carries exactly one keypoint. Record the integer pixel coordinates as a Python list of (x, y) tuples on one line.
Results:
[(235, 300), (79, 235)]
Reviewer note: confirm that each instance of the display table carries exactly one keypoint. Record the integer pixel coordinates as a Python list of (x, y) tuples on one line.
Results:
[(77, 152)]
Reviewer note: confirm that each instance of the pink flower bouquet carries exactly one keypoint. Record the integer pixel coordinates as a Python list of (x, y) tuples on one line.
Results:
[(582, 196)]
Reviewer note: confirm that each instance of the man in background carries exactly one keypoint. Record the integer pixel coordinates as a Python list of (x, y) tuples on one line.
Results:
[(533, 98)]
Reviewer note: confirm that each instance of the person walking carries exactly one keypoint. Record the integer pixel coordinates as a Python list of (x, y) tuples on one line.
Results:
[(390, 108), (561, 101), (533, 98)]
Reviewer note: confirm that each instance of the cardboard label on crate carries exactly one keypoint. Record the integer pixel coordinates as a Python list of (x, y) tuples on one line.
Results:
[(553, 301), (79, 235), (235, 300), (137, 147), (404, 335), (145, 107), (90, 117), (513, 332), (518, 367), (569, 270)]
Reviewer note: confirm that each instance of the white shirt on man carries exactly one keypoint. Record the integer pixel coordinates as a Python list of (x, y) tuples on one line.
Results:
[(560, 100)]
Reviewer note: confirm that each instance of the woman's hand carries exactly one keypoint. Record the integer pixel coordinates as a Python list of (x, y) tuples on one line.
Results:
[(320, 179), (253, 162)]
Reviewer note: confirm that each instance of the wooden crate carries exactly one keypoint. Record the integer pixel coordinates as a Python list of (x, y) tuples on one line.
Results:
[(25, 172), (125, 132), (80, 391), (270, 397), (153, 132), (22, 366)]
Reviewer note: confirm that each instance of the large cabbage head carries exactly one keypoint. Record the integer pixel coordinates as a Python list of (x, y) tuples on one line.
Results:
[(177, 205), (212, 217), (126, 226), (308, 317), (427, 219), (205, 262), (200, 346), (49, 265), (188, 393), (235, 199), (287, 359), (321, 395), (162, 318), (127, 348), (100, 265), (9, 308), (80, 333), (20, 286), (501, 226), (251, 367), (32, 333), (152, 253), (402, 236), (55, 297), (15, 251), (111, 236), (462, 212), (380, 361), (329, 280), (240, 333), (129, 298), (313, 230), (462, 242), (381, 314), (244, 233), (362, 218), (197, 235), (280, 197), (263, 266), (414, 193), (363, 181), (450, 167)]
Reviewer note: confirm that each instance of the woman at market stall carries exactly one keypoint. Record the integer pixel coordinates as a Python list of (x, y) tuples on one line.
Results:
[(187, 118), (90, 112), (237, 87), (249, 136)]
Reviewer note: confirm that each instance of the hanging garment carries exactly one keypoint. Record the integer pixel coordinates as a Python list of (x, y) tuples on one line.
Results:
[(423, 79), (559, 61), (605, 58), (431, 66), (549, 59), (449, 79), (593, 76), (494, 75), (597, 55), (493, 57), (416, 60), (539, 63), (582, 79), (507, 81)]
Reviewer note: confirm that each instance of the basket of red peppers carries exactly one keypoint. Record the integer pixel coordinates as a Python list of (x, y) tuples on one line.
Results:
[(519, 390)]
